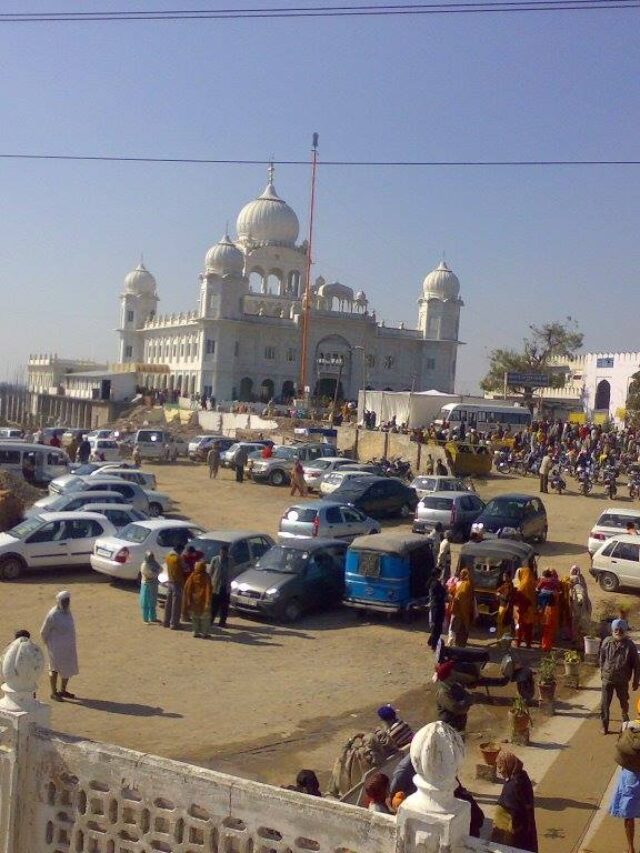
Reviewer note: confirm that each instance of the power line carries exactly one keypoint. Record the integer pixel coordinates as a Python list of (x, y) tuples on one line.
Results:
[(336, 11), (198, 161)]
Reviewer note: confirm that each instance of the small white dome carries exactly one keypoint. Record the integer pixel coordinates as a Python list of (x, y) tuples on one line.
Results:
[(441, 283), (140, 281), (225, 258), (268, 219)]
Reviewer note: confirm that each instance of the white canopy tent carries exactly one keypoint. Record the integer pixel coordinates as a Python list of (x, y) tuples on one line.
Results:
[(416, 409)]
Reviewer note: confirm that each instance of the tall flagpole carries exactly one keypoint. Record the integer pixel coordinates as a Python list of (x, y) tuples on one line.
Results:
[(302, 384)]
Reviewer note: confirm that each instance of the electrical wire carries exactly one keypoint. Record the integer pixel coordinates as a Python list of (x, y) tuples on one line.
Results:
[(197, 161), (336, 11)]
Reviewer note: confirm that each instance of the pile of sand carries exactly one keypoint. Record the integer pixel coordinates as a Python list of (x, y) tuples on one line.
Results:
[(18, 487)]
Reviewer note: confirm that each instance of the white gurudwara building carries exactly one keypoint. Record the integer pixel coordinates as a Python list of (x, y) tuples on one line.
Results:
[(242, 341)]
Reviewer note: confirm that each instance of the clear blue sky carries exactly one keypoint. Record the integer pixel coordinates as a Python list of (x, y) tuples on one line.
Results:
[(528, 244)]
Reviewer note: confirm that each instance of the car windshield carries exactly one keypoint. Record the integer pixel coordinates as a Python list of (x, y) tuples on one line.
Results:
[(77, 484), (424, 483), (437, 503), (134, 533), (508, 508), (22, 530), (288, 561), (58, 504), (285, 453), (85, 470), (300, 513)]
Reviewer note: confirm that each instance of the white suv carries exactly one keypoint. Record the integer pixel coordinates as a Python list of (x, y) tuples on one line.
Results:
[(612, 521), (617, 562)]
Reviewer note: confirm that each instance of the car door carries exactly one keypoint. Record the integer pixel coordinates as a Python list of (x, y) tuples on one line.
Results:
[(81, 534), (317, 589), (47, 546), (335, 522), (625, 563), (529, 521), (259, 545), (353, 522), (372, 501), (240, 558)]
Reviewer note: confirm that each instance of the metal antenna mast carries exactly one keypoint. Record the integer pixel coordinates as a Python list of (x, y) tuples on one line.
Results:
[(302, 384)]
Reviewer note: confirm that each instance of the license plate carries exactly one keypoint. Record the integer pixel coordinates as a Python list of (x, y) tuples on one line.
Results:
[(103, 552), (247, 600), (483, 608)]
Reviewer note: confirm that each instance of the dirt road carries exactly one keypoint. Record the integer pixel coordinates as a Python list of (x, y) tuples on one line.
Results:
[(259, 700)]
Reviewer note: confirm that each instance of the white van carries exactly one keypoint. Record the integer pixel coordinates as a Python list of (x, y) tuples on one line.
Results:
[(37, 463), (10, 432), (156, 444)]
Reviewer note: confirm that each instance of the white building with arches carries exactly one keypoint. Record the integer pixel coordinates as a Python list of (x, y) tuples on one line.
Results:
[(242, 339)]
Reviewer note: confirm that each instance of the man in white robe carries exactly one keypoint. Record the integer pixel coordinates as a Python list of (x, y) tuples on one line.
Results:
[(59, 635)]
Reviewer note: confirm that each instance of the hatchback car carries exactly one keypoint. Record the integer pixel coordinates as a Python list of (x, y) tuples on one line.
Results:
[(617, 562), (612, 521), (314, 471), (146, 500), (456, 511), (72, 501), (51, 540), (326, 519), (131, 475), (379, 497), (118, 514), (121, 555), (228, 457), (427, 484), (292, 578), (519, 512), (332, 481), (245, 549)]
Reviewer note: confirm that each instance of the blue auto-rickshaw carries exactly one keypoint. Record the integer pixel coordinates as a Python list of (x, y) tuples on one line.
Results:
[(388, 572)]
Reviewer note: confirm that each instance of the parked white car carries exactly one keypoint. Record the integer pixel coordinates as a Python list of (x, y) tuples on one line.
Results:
[(118, 514), (146, 500), (617, 562), (427, 484), (105, 449), (120, 555), (51, 540), (330, 482), (612, 521), (131, 475), (313, 471), (72, 501)]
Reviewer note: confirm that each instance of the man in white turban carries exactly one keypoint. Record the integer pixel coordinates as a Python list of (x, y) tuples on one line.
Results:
[(59, 635)]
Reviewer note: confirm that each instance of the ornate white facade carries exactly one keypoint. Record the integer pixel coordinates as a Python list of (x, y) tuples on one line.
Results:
[(243, 339)]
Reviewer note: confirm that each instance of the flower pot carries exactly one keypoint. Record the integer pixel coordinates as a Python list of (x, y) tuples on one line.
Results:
[(547, 691), (591, 645), (490, 752), (571, 669), (520, 723)]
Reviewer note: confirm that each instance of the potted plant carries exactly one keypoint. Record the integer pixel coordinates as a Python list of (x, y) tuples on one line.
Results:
[(520, 720), (490, 751), (592, 640), (547, 677), (572, 663)]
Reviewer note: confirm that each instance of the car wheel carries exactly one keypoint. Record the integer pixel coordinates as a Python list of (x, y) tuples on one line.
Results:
[(608, 582), (405, 511), (277, 478), (11, 568), (155, 510), (292, 610)]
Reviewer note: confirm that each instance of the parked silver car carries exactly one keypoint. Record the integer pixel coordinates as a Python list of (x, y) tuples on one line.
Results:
[(456, 511), (314, 471), (228, 457), (326, 520), (427, 484)]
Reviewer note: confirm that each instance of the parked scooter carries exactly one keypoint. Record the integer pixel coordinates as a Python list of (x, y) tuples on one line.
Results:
[(610, 483), (469, 663), (584, 481), (556, 481)]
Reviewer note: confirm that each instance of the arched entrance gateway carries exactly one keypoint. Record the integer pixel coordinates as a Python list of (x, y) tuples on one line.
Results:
[(603, 395), (332, 363), (266, 390), (246, 388)]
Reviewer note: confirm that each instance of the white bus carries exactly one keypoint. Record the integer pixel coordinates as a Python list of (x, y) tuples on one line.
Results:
[(483, 416), (37, 463)]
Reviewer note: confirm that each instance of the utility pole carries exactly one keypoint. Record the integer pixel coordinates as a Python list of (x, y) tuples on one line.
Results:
[(302, 383)]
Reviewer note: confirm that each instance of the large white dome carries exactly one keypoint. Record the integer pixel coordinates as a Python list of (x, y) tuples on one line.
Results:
[(225, 258), (140, 281), (268, 219), (441, 283)]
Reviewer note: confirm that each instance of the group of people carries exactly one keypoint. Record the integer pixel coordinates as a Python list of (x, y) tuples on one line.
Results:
[(197, 591)]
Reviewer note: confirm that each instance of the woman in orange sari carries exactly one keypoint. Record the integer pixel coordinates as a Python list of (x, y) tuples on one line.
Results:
[(525, 605), (462, 609)]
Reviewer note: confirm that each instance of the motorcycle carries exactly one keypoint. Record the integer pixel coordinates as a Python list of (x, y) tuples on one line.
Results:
[(610, 483), (468, 664), (584, 481), (634, 485), (556, 481), (502, 462)]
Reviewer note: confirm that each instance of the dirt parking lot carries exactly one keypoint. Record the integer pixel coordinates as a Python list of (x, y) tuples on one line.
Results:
[(259, 700)]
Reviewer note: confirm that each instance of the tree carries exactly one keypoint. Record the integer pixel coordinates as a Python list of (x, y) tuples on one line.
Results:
[(633, 397), (544, 345)]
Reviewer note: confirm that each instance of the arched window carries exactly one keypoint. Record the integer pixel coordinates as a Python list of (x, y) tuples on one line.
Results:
[(266, 390), (246, 388), (603, 395)]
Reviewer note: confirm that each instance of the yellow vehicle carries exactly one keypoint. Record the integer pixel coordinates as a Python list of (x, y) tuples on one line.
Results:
[(468, 459)]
